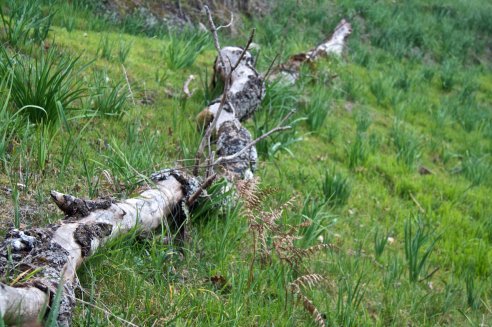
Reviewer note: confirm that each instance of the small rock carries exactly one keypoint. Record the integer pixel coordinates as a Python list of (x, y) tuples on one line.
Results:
[(424, 170), (390, 240)]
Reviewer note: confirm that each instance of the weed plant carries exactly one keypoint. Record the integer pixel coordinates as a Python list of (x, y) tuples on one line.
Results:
[(24, 22), (43, 88), (124, 50), (106, 47), (107, 98), (419, 243), (407, 145), (335, 187), (318, 109), (183, 49)]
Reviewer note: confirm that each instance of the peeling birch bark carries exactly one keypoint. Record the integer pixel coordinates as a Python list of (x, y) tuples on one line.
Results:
[(58, 250), (243, 97), (334, 45)]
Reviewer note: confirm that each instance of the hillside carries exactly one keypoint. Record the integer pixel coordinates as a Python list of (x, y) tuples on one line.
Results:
[(389, 159)]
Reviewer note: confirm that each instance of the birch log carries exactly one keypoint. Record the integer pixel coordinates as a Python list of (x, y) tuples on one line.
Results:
[(56, 251), (334, 45), (242, 98)]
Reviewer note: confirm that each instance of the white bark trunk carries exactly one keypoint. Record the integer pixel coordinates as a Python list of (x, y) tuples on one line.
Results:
[(61, 249), (288, 72)]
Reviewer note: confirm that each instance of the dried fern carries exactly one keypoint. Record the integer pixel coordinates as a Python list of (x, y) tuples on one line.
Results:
[(270, 237), (308, 281)]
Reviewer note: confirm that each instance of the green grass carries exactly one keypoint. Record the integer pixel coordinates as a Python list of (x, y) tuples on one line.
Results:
[(413, 90)]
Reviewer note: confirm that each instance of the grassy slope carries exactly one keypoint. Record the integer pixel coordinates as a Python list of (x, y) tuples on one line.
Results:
[(392, 80)]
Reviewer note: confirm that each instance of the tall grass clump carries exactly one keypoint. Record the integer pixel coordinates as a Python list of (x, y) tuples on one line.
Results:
[(9, 122), (105, 48), (45, 87), (419, 244), (25, 22), (317, 109), (349, 299), (476, 168), (380, 241), (380, 87), (448, 74), (335, 187), (407, 145), (473, 289), (108, 98), (357, 152), (124, 50), (183, 49)]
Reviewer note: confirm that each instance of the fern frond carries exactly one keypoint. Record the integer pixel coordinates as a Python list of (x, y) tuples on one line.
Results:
[(309, 280)]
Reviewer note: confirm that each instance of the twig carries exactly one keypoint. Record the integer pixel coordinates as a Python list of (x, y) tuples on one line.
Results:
[(417, 203), (271, 66), (214, 30), (208, 133), (186, 86), (429, 275), (203, 187), (229, 24), (128, 83), (250, 144), (206, 138), (251, 36), (286, 117)]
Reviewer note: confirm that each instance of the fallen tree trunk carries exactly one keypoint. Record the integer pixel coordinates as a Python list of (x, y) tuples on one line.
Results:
[(51, 255), (58, 250), (334, 45)]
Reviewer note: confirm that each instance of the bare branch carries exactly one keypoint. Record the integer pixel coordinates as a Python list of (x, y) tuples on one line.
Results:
[(251, 36), (270, 67), (128, 83), (200, 190), (214, 30), (208, 134), (229, 24)]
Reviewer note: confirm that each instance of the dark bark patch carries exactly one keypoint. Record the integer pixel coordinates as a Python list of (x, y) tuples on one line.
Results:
[(84, 234), (232, 139), (79, 208)]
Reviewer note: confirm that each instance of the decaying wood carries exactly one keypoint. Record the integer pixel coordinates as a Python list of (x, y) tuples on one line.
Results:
[(334, 45), (51, 255), (244, 89), (58, 250)]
